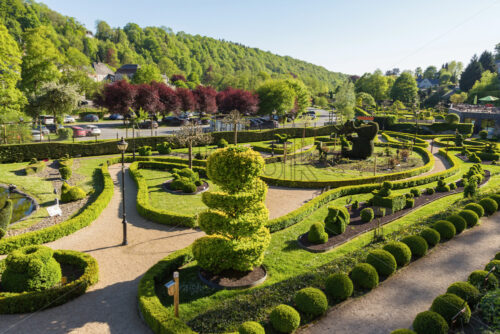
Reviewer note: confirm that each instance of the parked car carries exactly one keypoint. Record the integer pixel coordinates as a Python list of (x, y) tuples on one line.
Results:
[(47, 119), (36, 135), (91, 118), (92, 130), (78, 131), (311, 114), (115, 117), (174, 121), (262, 123), (54, 127), (45, 130), (69, 119), (147, 124)]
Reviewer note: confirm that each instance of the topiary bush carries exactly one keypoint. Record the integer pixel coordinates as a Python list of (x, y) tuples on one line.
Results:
[(400, 251), (489, 205), (417, 245), (453, 186), (477, 278), (478, 209), (337, 220), (483, 134), (470, 217), (235, 221), (457, 221), (222, 143), (430, 191), (431, 236), (145, 151), (496, 264), (185, 179), (164, 148), (382, 261), (445, 229), (355, 205), (448, 305), (466, 291), (364, 276), (497, 256), (403, 331), (367, 215), (317, 234), (311, 301), (251, 327), (65, 172), (31, 268), (496, 198), (490, 309), (339, 286), (5, 217), (71, 194), (415, 192), (429, 322), (442, 186), (284, 319)]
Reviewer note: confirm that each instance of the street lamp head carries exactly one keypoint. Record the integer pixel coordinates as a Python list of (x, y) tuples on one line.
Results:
[(122, 145)]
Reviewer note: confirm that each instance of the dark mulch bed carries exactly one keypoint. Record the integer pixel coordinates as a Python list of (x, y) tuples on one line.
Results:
[(199, 189), (232, 279), (464, 158), (358, 227)]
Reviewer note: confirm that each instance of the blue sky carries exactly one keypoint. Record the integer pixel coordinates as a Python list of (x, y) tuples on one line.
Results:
[(352, 37)]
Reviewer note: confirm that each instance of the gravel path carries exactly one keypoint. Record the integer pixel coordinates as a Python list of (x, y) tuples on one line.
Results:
[(396, 302), (281, 201)]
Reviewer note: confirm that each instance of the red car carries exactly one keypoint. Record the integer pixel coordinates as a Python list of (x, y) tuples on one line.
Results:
[(78, 131)]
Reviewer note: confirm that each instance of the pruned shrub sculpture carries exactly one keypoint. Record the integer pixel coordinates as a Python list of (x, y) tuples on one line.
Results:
[(337, 220), (362, 141)]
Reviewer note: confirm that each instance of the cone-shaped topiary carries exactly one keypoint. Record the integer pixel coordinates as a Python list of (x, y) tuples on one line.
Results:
[(251, 327), (431, 236), (235, 221), (477, 278), (448, 305), (466, 291), (317, 234), (417, 245), (5, 217), (31, 268), (470, 217), (382, 261), (400, 251), (478, 209), (339, 286), (285, 319), (489, 205), (496, 264), (311, 301), (445, 229), (429, 322), (337, 220), (457, 221), (364, 276)]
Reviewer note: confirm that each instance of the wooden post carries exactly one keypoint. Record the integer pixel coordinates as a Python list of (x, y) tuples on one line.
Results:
[(176, 293), (284, 153)]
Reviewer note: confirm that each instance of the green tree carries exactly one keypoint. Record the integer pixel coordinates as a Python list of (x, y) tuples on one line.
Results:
[(147, 74), (275, 95), (376, 84), (471, 74), (364, 100), (405, 89), (76, 58), (55, 99), (345, 100), (488, 85), (302, 97), (430, 72), (455, 68), (488, 62), (40, 61), (444, 76), (418, 71), (458, 98)]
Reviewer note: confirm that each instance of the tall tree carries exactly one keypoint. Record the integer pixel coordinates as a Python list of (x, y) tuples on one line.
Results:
[(147, 74), (275, 95), (205, 97), (487, 85), (55, 99), (345, 100), (418, 71), (117, 97), (376, 84), (186, 99), (405, 89), (169, 101), (488, 62), (430, 72), (147, 98), (471, 74), (236, 99), (302, 97)]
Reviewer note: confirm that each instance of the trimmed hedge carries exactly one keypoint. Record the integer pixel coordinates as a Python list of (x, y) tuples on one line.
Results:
[(445, 229), (478, 209), (285, 319), (317, 234), (477, 278), (382, 261), (35, 301), (251, 327), (431, 236), (364, 276), (489, 205), (400, 251), (367, 215), (470, 217), (448, 305), (417, 245), (457, 221), (339, 286), (429, 322), (496, 264), (466, 291), (311, 301), (403, 331)]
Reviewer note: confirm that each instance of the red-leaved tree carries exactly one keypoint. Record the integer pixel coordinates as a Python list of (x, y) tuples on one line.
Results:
[(117, 97), (147, 98), (205, 97), (186, 99), (177, 77), (169, 101), (231, 99)]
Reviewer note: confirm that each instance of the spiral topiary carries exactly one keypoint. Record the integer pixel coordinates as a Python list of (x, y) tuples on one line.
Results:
[(367, 215), (284, 319), (489, 205), (445, 229), (496, 264), (339, 286), (31, 268), (382, 261), (417, 245), (448, 305), (235, 221), (470, 217), (337, 220), (364, 276), (251, 327), (478, 209), (429, 322), (457, 221), (400, 251), (466, 291), (317, 234), (477, 278), (311, 301), (431, 236)]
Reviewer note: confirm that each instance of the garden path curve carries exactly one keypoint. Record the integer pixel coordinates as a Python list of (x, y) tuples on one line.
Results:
[(396, 302)]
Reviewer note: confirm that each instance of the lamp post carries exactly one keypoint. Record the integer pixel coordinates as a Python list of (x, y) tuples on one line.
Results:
[(122, 146)]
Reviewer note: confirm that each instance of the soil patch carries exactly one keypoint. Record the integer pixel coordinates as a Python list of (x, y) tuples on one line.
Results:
[(199, 189), (464, 158), (358, 227), (71, 272), (232, 279)]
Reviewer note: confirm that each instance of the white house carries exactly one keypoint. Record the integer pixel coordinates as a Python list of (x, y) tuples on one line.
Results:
[(102, 72), (427, 83)]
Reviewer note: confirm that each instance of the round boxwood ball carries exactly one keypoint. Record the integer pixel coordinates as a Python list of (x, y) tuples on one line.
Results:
[(367, 215), (382, 261), (429, 322), (466, 291), (403, 331), (489, 205), (251, 327), (317, 234), (445, 229), (496, 198), (431, 236), (311, 301), (448, 305), (478, 209), (364, 276), (477, 277), (417, 245), (339, 286), (470, 217), (496, 264), (400, 251), (457, 221), (284, 319)]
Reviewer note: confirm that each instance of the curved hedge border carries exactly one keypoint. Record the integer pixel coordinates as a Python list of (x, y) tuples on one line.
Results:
[(405, 136), (38, 300), (262, 147), (429, 164), (83, 219)]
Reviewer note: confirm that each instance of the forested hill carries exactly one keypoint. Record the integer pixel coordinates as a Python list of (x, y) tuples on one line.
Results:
[(215, 62)]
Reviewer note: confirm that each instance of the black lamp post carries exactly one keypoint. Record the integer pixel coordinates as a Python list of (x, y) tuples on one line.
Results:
[(122, 146)]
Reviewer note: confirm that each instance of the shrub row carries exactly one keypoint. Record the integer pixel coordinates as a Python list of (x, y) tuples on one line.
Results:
[(435, 128), (263, 147), (418, 141), (37, 300)]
